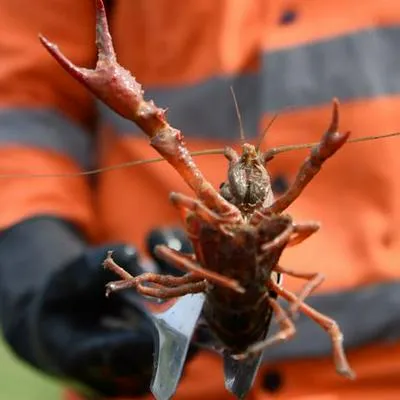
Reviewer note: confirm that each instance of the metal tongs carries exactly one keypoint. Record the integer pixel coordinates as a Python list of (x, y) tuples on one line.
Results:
[(175, 328)]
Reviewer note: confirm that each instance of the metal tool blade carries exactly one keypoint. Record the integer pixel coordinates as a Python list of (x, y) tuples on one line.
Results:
[(240, 374), (175, 329)]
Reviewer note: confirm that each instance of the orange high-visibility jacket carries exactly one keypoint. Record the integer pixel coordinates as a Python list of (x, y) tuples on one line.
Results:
[(276, 54)]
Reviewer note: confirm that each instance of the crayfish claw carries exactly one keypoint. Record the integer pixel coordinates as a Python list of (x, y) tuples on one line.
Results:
[(103, 37)]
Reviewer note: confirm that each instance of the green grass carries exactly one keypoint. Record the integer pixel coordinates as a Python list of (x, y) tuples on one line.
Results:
[(18, 381)]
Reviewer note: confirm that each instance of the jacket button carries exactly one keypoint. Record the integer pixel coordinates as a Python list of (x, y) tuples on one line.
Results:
[(272, 381), (279, 184), (287, 17)]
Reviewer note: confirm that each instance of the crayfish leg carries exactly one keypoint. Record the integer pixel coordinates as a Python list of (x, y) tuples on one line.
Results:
[(303, 231), (286, 332), (315, 279), (162, 286), (186, 264), (185, 203), (326, 323)]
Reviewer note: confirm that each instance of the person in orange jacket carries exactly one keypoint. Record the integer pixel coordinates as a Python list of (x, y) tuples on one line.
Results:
[(55, 231)]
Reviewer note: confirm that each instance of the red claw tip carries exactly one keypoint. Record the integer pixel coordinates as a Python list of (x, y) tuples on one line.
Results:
[(45, 42), (100, 5)]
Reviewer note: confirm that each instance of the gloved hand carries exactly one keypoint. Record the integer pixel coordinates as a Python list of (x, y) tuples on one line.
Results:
[(55, 315), (176, 239)]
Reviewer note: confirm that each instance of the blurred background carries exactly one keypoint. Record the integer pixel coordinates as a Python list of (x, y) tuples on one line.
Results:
[(276, 54), (20, 382)]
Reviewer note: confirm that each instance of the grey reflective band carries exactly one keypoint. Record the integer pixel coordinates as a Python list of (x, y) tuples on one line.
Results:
[(203, 110), (366, 315), (361, 65), (46, 129), (364, 64)]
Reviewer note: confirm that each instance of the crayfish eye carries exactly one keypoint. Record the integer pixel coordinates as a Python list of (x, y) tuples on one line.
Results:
[(225, 192)]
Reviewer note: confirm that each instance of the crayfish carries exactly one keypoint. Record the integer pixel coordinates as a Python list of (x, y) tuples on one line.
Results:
[(238, 232)]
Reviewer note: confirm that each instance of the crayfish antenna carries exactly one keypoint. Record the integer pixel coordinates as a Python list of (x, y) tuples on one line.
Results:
[(239, 117), (264, 133), (270, 123)]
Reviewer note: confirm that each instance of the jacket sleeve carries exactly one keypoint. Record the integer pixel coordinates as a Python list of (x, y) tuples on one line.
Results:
[(46, 117)]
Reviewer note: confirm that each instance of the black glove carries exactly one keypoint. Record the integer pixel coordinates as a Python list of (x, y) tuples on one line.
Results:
[(55, 315), (174, 238)]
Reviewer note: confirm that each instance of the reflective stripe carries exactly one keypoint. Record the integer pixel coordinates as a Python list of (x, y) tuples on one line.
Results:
[(46, 129), (365, 315), (364, 64), (203, 110)]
